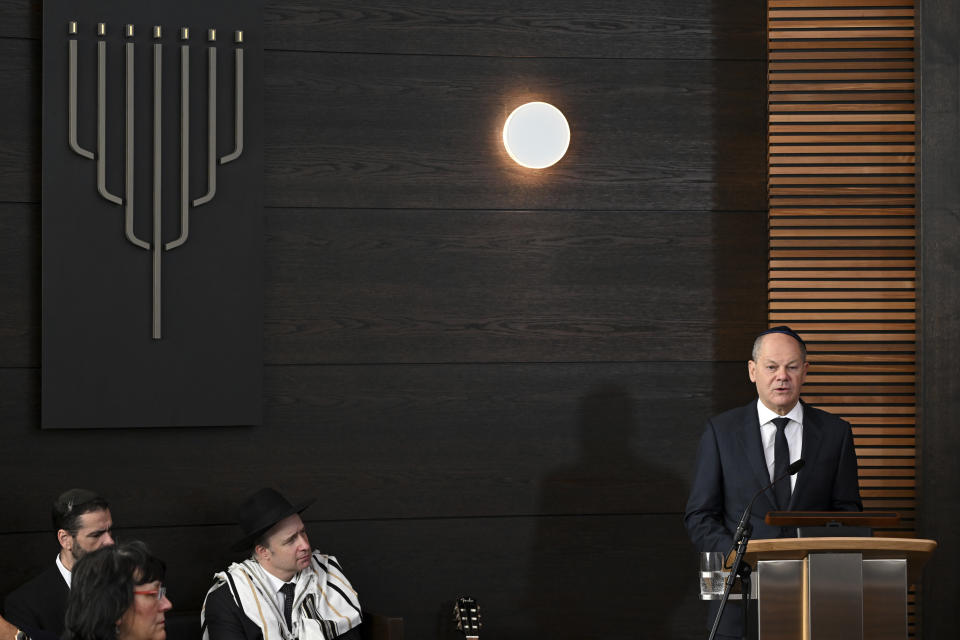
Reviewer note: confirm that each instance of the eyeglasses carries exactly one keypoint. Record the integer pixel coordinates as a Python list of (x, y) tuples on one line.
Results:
[(159, 592)]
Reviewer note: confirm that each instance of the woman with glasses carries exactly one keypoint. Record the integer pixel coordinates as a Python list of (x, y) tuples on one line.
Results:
[(117, 593)]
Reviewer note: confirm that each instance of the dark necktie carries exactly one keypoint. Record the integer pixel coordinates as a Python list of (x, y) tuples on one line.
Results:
[(287, 590), (781, 462)]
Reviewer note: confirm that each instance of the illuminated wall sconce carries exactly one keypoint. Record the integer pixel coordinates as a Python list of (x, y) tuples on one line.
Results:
[(536, 135)]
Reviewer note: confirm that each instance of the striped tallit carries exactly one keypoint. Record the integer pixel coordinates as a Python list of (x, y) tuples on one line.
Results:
[(324, 604)]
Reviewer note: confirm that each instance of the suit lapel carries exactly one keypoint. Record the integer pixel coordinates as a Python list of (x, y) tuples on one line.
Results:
[(812, 439), (752, 445)]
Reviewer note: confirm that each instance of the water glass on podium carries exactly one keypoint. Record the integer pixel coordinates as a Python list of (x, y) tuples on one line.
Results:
[(712, 575)]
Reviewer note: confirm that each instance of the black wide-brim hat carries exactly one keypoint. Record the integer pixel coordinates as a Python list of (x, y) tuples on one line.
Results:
[(261, 511)]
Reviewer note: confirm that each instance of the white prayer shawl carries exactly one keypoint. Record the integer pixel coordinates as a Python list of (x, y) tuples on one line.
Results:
[(324, 604)]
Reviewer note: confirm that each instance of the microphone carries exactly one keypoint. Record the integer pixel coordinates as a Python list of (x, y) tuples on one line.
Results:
[(741, 528), (744, 531)]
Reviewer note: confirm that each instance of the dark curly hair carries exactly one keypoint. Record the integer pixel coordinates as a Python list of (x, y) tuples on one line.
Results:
[(101, 588)]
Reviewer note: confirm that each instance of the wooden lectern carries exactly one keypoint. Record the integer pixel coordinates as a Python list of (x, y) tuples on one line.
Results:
[(835, 588)]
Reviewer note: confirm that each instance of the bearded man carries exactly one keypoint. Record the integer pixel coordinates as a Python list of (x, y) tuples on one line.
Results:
[(82, 521)]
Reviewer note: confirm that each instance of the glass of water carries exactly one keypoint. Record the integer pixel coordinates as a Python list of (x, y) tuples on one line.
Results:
[(712, 575)]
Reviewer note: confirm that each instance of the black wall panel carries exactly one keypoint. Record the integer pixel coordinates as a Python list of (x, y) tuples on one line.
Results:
[(493, 379), (939, 229)]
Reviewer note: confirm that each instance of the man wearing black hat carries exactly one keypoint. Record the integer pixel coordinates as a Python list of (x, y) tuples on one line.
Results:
[(745, 449), (284, 590), (83, 523)]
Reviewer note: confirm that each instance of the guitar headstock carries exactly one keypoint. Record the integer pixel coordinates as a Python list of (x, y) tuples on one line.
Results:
[(466, 612)]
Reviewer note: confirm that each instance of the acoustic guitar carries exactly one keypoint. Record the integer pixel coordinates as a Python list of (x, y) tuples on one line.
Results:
[(466, 613)]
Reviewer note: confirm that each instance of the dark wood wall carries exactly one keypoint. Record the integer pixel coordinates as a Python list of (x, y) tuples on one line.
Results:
[(939, 385), (493, 379)]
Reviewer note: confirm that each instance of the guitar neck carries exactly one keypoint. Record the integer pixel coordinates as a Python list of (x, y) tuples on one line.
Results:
[(466, 612)]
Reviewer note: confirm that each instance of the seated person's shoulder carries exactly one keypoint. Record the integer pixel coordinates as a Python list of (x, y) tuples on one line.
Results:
[(39, 601), (220, 596)]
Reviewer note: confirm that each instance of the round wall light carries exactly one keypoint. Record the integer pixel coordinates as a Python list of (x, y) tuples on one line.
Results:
[(536, 135)]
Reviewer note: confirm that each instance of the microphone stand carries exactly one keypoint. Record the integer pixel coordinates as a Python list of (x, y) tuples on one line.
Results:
[(739, 567)]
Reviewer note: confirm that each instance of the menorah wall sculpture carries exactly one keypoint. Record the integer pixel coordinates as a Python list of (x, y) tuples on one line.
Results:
[(155, 244), (152, 213)]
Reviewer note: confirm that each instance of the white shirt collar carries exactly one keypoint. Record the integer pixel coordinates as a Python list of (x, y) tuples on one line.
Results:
[(63, 571), (766, 415), (276, 582)]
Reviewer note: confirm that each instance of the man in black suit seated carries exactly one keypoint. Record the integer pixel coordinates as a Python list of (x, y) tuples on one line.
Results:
[(745, 449), (284, 590), (83, 523), (13, 632)]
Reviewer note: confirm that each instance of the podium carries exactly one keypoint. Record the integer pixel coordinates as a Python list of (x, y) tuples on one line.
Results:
[(848, 588)]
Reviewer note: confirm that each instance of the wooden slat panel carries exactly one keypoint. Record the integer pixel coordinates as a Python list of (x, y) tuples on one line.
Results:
[(846, 304), (842, 148), (841, 106), (831, 12), (881, 505), (840, 179), (887, 482), (848, 251), (865, 74), (860, 367), (881, 431), (806, 65), (825, 259), (792, 227), (843, 242), (780, 22), (842, 274), (850, 33), (850, 284), (842, 257), (859, 160), (840, 171), (905, 97), (879, 421), (775, 4), (875, 55)]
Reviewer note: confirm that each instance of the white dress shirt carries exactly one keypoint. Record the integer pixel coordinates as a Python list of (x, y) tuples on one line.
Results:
[(64, 571), (793, 431), (277, 583)]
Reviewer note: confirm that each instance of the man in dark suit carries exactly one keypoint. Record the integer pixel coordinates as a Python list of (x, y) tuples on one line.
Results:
[(83, 523), (744, 449), (283, 590)]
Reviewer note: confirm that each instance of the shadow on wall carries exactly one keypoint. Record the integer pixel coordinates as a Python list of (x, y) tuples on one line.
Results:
[(596, 568), (739, 233)]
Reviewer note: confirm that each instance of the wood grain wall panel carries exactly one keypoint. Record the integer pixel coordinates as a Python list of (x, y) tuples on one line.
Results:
[(475, 286), (842, 195), (494, 379), (478, 286), (939, 319), (524, 571), (20, 18), (20, 110), (348, 130), (19, 285), (360, 131), (566, 28), (396, 441), (696, 29)]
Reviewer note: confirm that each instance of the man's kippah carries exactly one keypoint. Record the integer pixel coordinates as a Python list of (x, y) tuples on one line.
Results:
[(787, 331)]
